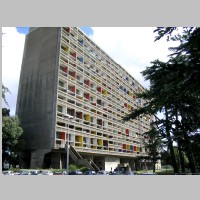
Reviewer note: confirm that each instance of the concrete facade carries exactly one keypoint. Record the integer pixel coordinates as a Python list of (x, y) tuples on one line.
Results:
[(36, 101), (64, 72)]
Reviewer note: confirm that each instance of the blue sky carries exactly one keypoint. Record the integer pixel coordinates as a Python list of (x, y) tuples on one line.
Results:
[(23, 30), (85, 29)]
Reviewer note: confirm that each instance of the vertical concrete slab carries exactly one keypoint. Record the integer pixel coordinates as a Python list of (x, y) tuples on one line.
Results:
[(37, 93)]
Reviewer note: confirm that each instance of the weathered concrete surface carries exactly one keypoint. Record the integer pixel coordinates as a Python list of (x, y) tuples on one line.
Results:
[(36, 103)]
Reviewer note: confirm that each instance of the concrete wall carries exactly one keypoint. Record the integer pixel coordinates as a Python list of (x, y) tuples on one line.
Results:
[(37, 93)]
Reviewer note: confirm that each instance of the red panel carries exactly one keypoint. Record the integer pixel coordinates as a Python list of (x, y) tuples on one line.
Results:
[(63, 135), (124, 146), (66, 69), (127, 132), (134, 148), (99, 89), (74, 54), (131, 108), (119, 133), (87, 96), (74, 74), (73, 89), (68, 30), (80, 115), (134, 97), (125, 104), (87, 82)]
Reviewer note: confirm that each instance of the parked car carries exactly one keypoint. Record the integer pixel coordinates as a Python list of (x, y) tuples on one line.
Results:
[(59, 173), (116, 173), (46, 172), (25, 173), (90, 172), (35, 172), (17, 173), (76, 172), (129, 173), (7, 172), (102, 172)]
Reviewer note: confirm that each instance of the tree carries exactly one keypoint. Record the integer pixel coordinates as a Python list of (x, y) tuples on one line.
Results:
[(174, 90), (153, 145), (11, 131)]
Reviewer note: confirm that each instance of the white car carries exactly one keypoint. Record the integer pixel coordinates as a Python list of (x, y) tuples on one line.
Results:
[(102, 172), (46, 172), (7, 172)]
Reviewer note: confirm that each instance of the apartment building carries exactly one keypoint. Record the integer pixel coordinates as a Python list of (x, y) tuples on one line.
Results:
[(65, 72)]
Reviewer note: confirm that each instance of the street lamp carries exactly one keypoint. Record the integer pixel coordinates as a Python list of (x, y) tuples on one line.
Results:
[(67, 143)]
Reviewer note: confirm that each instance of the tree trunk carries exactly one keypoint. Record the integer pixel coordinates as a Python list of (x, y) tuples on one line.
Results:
[(154, 167), (181, 157), (189, 153), (188, 147), (170, 144)]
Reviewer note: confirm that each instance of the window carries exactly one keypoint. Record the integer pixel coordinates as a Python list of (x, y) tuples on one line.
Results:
[(61, 84), (59, 108)]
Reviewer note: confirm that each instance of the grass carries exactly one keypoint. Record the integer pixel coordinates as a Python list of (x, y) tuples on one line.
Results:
[(169, 171)]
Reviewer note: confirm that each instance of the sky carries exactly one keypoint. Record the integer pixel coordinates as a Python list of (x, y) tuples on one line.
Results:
[(131, 47)]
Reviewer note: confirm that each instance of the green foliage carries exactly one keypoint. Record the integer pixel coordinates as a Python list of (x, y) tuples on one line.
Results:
[(174, 90), (11, 132), (5, 112), (153, 145), (83, 169), (72, 167), (4, 91)]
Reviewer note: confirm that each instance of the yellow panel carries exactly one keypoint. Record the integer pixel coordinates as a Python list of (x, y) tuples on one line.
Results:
[(100, 142), (128, 147), (87, 117), (94, 132), (104, 92), (138, 148), (67, 49), (80, 139)]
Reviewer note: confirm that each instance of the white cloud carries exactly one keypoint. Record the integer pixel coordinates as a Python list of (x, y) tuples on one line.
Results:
[(12, 52), (131, 47)]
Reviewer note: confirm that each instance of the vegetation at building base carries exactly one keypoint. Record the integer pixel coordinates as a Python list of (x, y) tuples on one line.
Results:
[(174, 91), (153, 145), (11, 132)]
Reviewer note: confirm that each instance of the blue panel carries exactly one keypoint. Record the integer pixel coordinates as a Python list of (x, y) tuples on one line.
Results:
[(80, 59)]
